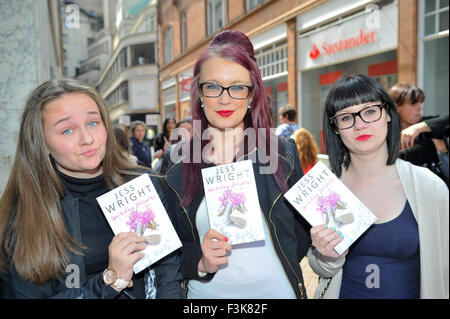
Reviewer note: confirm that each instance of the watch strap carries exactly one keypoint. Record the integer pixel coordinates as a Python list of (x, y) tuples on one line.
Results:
[(120, 283)]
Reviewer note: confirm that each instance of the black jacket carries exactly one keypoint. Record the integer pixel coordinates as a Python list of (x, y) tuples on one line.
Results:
[(289, 231), (423, 151), (168, 278)]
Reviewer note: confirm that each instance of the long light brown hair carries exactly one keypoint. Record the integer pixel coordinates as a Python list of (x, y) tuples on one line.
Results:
[(32, 233), (307, 148)]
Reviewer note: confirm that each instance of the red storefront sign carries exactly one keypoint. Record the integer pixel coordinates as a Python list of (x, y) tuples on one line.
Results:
[(361, 39), (186, 84)]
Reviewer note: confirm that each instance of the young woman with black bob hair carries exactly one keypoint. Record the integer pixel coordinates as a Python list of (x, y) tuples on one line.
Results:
[(405, 253)]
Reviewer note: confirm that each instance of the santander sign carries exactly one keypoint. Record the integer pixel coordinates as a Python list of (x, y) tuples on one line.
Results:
[(362, 38)]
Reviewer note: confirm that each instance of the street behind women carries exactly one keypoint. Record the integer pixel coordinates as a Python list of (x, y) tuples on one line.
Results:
[(228, 97), (405, 253), (55, 240)]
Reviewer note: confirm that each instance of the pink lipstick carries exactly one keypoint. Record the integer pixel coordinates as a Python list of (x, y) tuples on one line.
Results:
[(90, 153), (363, 137)]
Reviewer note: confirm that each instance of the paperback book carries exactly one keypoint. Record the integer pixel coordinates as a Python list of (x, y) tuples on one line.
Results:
[(321, 198), (136, 206), (232, 202)]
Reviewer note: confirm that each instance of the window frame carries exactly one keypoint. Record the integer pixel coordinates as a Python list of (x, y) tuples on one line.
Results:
[(168, 45), (422, 38), (211, 23)]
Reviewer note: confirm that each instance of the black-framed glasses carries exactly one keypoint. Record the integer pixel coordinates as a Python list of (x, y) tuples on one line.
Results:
[(368, 114), (238, 92)]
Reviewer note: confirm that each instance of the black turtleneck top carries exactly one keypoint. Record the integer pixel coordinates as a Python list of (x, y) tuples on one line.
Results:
[(96, 234)]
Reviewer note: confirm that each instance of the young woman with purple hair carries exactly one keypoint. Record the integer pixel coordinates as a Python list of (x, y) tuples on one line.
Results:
[(229, 102)]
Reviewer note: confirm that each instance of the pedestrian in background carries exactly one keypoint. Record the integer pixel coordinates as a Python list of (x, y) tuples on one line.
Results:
[(124, 145), (307, 148), (140, 149), (287, 116), (424, 139)]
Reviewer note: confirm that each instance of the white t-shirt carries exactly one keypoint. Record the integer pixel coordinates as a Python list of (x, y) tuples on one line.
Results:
[(254, 270)]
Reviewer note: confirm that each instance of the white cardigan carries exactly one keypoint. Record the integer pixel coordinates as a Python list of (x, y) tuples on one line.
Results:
[(428, 197)]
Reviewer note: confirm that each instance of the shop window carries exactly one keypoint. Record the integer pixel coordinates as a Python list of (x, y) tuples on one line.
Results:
[(216, 10), (385, 73)]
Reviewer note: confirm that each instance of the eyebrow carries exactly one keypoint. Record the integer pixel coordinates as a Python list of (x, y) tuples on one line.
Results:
[(231, 84), (68, 117), (365, 106)]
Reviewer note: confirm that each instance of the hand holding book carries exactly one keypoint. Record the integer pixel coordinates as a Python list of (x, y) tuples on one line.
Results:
[(124, 251), (324, 239), (215, 249), (323, 200)]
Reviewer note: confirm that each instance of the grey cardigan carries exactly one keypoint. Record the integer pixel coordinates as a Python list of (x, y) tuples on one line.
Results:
[(429, 199)]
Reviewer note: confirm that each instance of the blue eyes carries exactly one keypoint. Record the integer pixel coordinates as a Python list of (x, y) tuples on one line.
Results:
[(70, 131)]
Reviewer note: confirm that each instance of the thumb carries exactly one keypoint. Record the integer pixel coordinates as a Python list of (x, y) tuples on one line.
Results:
[(214, 234)]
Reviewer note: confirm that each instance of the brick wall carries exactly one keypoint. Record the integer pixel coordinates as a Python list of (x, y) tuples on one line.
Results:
[(407, 41)]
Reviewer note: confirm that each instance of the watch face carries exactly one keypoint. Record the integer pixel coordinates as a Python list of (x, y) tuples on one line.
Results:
[(109, 276)]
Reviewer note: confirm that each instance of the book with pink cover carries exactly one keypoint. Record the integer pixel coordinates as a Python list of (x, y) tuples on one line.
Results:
[(232, 202), (321, 198), (136, 206)]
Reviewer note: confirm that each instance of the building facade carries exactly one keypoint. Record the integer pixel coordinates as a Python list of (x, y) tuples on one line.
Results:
[(303, 47), (30, 53), (81, 20), (129, 81)]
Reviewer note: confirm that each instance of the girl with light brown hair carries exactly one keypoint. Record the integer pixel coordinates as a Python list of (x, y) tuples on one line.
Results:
[(55, 240)]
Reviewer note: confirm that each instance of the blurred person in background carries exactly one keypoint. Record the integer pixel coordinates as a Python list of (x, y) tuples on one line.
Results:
[(287, 118), (307, 148), (122, 140), (140, 150), (424, 139)]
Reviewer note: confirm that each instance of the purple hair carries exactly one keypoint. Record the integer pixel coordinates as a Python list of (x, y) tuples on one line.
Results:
[(234, 46)]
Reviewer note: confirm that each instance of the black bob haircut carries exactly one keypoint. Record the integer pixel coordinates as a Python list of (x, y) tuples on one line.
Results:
[(354, 90)]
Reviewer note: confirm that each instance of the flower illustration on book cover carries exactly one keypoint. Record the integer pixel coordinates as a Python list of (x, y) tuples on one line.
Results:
[(232, 209), (334, 210), (140, 222)]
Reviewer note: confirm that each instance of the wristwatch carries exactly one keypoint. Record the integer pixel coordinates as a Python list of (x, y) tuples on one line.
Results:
[(111, 278)]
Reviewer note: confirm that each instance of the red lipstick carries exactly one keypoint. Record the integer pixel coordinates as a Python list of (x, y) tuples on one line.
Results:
[(225, 113), (363, 137)]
